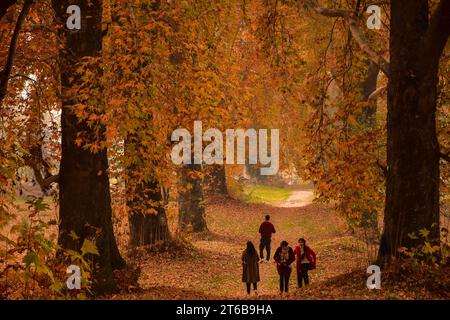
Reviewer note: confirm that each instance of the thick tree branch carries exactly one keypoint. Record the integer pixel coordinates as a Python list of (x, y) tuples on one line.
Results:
[(44, 183), (35, 160), (51, 179), (355, 30), (438, 33), (6, 71), (379, 91), (376, 58), (327, 12)]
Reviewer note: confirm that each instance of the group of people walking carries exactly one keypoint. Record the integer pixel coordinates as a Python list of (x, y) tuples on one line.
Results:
[(284, 256)]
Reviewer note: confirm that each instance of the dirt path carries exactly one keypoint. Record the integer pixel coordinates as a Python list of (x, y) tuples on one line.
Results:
[(298, 198), (212, 268)]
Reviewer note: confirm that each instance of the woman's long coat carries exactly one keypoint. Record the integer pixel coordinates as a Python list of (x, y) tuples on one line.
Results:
[(250, 267)]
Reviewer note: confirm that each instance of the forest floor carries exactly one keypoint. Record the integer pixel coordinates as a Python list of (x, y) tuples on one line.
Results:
[(209, 266)]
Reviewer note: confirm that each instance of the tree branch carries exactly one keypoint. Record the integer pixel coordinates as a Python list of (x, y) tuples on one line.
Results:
[(355, 30), (376, 58), (374, 95), (6, 71), (35, 160), (377, 3), (49, 180), (438, 33), (44, 183), (327, 12)]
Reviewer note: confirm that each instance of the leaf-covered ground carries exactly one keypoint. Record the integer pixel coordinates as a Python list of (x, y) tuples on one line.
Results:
[(208, 266), (211, 267)]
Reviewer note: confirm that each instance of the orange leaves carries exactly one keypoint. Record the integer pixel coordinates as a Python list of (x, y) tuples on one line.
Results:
[(351, 120), (78, 141), (157, 73)]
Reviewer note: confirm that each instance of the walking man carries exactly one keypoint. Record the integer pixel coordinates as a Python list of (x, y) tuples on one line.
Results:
[(266, 229)]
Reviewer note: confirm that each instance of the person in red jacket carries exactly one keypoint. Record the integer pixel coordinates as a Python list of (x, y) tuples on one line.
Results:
[(306, 260), (266, 229), (284, 256)]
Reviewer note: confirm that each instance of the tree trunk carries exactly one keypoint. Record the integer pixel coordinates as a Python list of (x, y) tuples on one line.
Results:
[(368, 86), (412, 189), (85, 202), (216, 180), (253, 171), (5, 72), (147, 228), (190, 200)]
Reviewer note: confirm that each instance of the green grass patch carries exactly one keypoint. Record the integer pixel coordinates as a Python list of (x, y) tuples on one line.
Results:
[(265, 194)]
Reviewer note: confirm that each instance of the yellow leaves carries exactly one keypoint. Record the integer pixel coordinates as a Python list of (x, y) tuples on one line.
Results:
[(405, 251), (351, 120), (429, 249), (88, 74), (89, 248), (73, 235), (424, 233)]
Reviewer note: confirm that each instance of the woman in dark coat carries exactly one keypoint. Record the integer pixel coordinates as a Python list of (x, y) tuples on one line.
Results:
[(250, 267), (306, 260), (284, 256)]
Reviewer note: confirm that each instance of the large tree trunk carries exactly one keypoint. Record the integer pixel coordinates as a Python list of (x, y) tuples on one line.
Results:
[(147, 228), (85, 203), (190, 200), (412, 190), (216, 180)]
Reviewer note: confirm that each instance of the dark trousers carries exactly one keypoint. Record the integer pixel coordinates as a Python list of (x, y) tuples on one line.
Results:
[(264, 243), (303, 275), (255, 286), (284, 282)]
